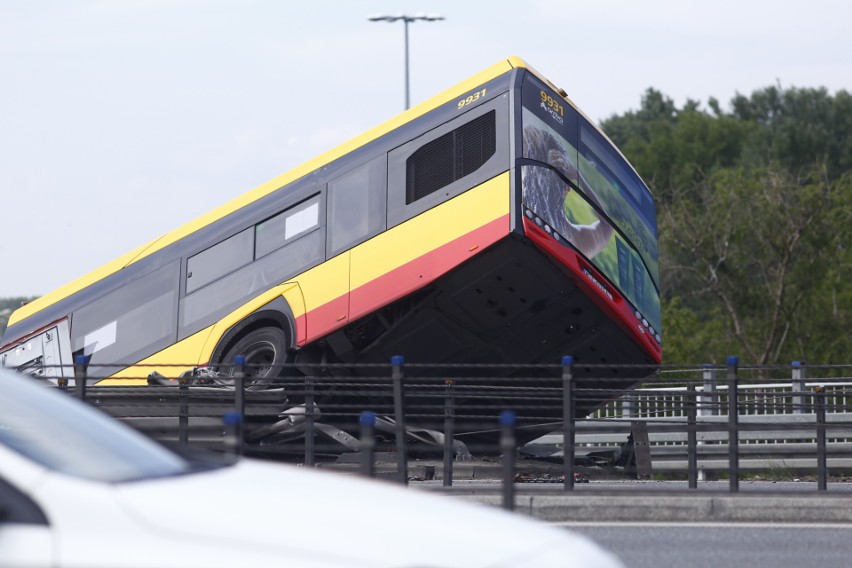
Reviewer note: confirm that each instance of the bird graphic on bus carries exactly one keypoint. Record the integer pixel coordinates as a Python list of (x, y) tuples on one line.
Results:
[(545, 192)]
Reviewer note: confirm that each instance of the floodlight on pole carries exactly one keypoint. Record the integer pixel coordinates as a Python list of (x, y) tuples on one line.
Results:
[(406, 20)]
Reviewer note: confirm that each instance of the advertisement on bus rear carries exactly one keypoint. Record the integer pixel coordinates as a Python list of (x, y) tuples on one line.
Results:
[(580, 185)]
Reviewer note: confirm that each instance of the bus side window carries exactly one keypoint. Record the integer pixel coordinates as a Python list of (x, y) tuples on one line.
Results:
[(219, 260), (277, 231), (356, 206)]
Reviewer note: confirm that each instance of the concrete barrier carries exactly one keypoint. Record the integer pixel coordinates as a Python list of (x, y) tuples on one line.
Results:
[(809, 508)]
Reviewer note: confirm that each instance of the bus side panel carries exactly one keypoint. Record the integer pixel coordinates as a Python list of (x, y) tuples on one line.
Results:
[(292, 294), (170, 362), (196, 349), (326, 291), (46, 353), (412, 255)]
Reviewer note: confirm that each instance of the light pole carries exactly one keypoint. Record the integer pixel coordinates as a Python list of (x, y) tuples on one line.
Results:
[(406, 20)]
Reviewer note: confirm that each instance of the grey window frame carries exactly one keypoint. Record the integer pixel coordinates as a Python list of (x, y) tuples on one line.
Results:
[(376, 214), (312, 201), (241, 242), (209, 304)]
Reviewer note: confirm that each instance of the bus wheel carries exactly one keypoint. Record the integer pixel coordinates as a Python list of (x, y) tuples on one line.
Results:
[(266, 350)]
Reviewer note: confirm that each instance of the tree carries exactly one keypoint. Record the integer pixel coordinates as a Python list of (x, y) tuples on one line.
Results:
[(673, 148), (752, 247), (753, 206), (797, 127)]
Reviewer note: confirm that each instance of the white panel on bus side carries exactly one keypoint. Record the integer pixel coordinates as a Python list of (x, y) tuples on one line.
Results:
[(46, 354)]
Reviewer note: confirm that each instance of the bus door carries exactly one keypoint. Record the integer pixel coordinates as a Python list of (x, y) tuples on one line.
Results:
[(356, 212)]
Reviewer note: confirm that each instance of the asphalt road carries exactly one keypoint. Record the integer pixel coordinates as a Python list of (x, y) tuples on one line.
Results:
[(711, 545)]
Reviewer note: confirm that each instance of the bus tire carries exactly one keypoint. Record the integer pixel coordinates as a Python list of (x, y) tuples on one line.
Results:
[(266, 349)]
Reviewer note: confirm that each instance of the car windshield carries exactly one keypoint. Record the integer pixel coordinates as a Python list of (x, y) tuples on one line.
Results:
[(67, 436)]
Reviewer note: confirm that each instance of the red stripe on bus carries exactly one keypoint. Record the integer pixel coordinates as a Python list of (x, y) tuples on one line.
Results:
[(425, 269), (327, 317), (404, 279), (616, 308), (301, 330)]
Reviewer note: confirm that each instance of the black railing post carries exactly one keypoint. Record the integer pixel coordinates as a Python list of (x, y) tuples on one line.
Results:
[(399, 419), (449, 432), (309, 422), (507, 447), (239, 401), (568, 418), (733, 425), (822, 465), (691, 442), (183, 411), (367, 444), (81, 363)]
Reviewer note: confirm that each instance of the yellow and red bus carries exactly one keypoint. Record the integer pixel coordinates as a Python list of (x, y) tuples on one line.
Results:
[(492, 223)]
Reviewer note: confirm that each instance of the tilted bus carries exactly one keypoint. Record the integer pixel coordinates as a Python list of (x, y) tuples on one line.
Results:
[(493, 223)]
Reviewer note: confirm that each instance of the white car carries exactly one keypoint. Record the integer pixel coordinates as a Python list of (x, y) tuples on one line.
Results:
[(80, 489)]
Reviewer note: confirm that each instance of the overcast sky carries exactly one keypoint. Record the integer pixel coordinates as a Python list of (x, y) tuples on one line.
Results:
[(122, 119)]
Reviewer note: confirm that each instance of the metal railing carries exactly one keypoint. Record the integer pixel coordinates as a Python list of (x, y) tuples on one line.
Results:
[(405, 411)]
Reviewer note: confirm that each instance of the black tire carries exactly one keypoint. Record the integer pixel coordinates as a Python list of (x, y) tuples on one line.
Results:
[(266, 349)]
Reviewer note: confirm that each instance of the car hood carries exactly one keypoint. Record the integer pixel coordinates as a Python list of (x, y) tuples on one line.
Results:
[(325, 515)]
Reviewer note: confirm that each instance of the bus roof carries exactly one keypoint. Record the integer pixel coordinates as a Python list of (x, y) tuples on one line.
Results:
[(220, 212)]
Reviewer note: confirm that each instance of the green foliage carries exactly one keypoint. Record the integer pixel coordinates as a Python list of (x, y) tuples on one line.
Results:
[(750, 244), (798, 128), (672, 148), (695, 338), (754, 210)]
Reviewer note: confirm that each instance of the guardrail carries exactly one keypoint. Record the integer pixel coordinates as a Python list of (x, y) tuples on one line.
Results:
[(747, 418), (775, 443), (790, 396)]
